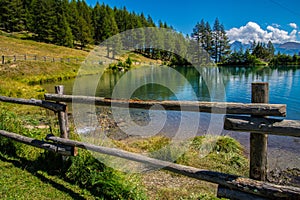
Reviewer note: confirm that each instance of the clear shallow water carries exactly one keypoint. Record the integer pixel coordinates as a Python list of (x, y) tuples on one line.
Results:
[(235, 82), (230, 84)]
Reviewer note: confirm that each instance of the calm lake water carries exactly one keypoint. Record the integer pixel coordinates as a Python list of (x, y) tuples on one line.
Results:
[(229, 84)]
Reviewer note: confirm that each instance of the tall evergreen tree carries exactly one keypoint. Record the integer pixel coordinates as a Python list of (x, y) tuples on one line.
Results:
[(43, 18), (199, 36), (220, 47), (85, 28), (62, 33), (12, 15), (271, 48)]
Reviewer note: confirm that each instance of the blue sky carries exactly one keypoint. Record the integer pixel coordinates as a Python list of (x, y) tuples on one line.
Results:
[(276, 20)]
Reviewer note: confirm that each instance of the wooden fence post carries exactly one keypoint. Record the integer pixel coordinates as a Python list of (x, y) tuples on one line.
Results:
[(3, 59), (62, 116), (259, 142)]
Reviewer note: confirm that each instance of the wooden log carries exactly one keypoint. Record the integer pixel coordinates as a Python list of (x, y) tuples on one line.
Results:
[(62, 115), (193, 106), (247, 185), (57, 148), (224, 192), (258, 141), (262, 125), (56, 107)]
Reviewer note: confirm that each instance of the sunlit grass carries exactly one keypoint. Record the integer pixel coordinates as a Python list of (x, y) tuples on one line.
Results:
[(14, 46)]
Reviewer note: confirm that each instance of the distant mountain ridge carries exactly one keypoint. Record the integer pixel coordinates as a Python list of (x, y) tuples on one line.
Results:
[(289, 48)]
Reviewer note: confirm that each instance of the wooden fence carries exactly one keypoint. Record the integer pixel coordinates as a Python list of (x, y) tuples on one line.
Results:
[(30, 57), (230, 186)]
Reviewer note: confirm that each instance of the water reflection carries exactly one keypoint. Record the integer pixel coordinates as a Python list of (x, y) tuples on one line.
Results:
[(207, 83)]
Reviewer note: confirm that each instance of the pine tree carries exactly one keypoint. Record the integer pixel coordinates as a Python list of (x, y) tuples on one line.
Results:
[(73, 20), (224, 45), (216, 40), (220, 47), (12, 15), (62, 33), (199, 36), (84, 24), (208, 42), (271, 49), (43, 18)]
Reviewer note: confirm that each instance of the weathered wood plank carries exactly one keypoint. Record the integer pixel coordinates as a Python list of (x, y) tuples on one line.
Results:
[(34, 102), (228, 193), (258, 141), (262, 125), (231, 181), (62, 115), (193, 106), (57, 148)]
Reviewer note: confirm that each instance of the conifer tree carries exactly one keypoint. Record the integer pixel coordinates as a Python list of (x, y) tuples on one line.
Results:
[(62, 34), (43, 18)]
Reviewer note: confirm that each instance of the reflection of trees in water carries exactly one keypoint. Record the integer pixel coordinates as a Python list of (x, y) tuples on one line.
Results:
[(199, 79)]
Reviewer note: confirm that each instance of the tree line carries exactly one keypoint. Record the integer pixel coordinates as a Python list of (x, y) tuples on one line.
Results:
[(260, 53), (73, 23), (68, 23)]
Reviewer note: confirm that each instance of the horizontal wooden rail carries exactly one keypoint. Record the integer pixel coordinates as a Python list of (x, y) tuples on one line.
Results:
[(31, 57), (194, 106), (231, 181), (45, 104), (262, 125), (57, 148)]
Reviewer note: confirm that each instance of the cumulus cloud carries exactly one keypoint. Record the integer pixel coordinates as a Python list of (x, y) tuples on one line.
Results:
[(253, 32), (293, 25)]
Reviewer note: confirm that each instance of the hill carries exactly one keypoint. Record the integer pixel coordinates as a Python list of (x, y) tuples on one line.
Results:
[(15, 46)]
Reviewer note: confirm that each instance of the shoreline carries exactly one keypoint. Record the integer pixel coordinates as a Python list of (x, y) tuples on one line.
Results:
[(283, 151)]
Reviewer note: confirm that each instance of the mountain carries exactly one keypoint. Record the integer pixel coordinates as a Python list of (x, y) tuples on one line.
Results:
[(289, 48), (290, 45)]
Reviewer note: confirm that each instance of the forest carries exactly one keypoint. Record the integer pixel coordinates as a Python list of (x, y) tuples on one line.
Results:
[(75, 24)]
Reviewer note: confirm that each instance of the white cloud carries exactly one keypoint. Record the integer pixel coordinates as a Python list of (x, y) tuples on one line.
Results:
[(293, 25), (275, 25), (253, 32)]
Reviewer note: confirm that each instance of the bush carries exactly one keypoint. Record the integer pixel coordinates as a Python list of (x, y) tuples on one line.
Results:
[(102, 181)]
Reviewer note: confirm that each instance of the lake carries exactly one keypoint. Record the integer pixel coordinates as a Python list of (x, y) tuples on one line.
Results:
[(228, 84)]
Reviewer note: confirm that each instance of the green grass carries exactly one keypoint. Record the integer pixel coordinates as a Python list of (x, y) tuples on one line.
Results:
[(27, 168), (222, 154), (14, 46), (18, 182)]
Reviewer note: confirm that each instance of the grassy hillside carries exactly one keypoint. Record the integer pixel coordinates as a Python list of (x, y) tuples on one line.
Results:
[(26, 76), (14, 46)]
